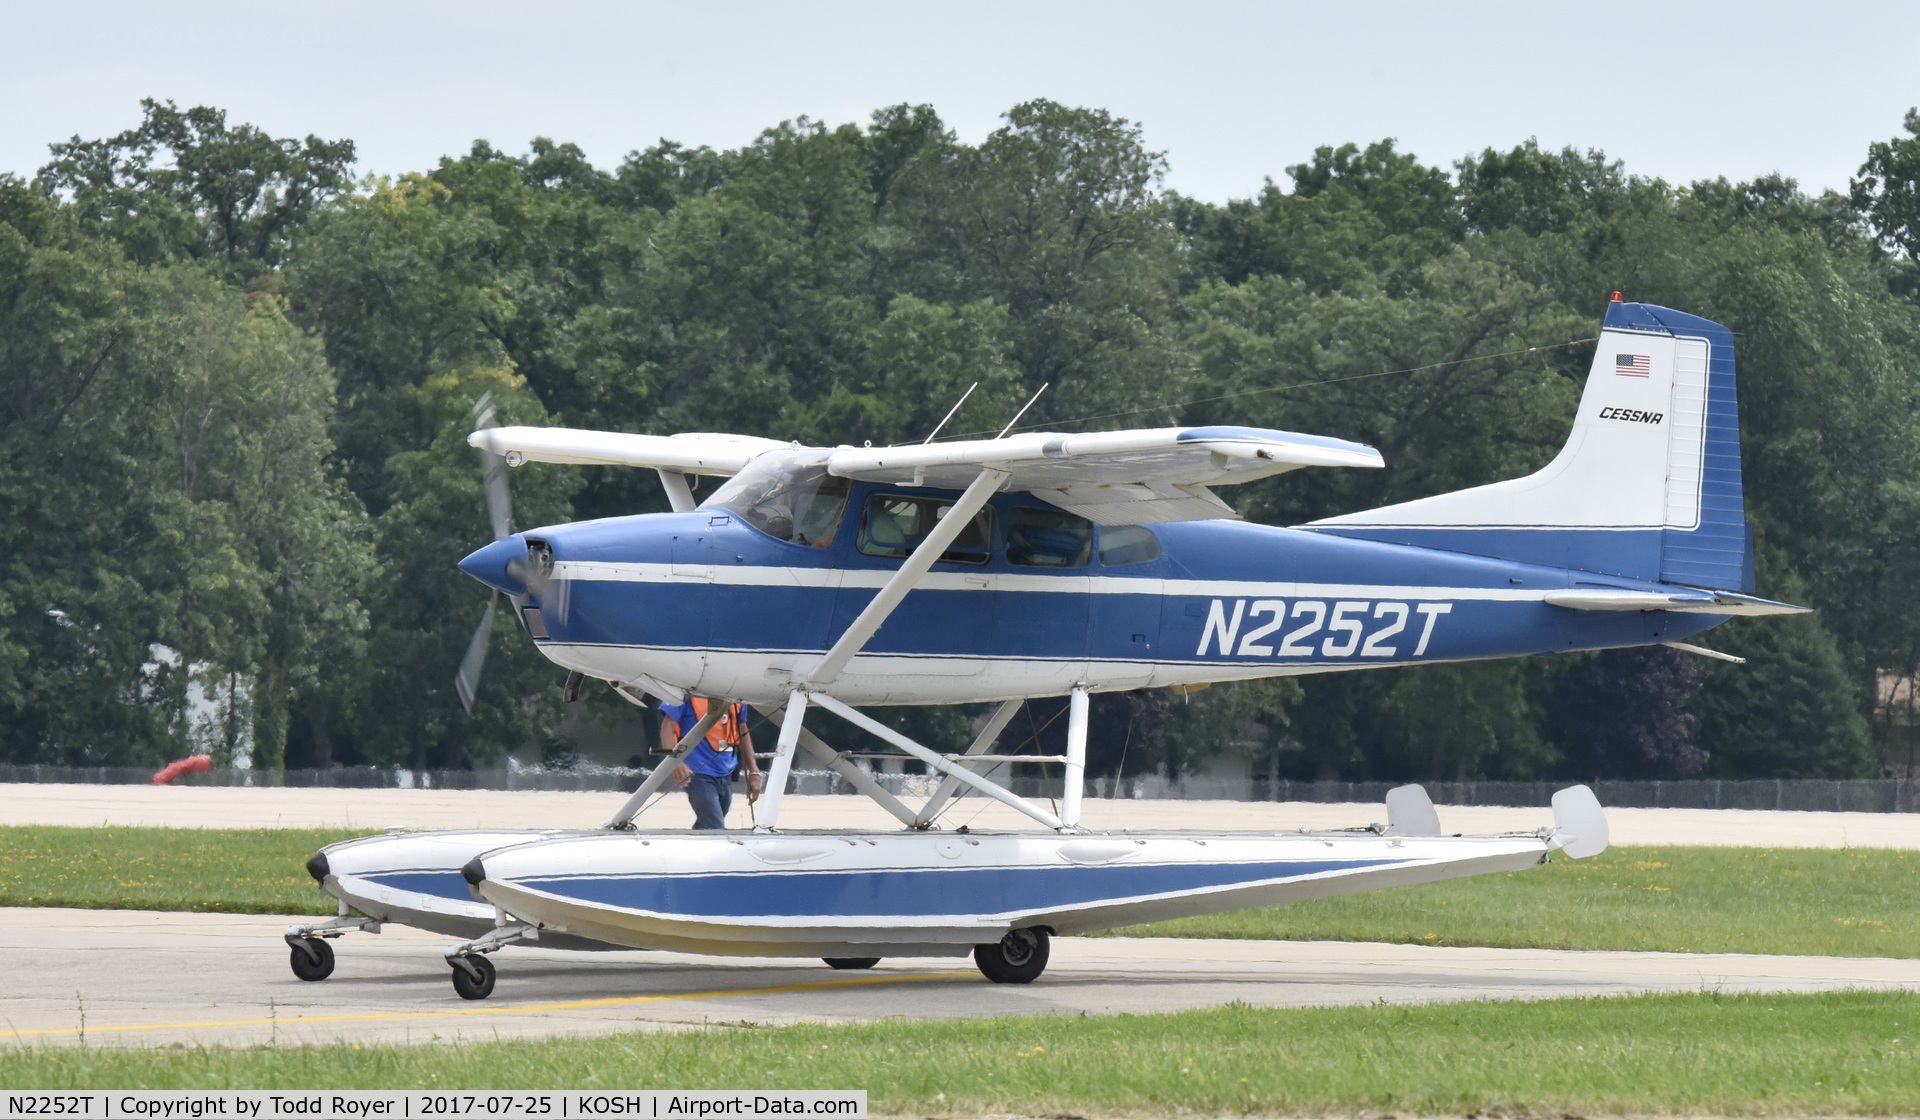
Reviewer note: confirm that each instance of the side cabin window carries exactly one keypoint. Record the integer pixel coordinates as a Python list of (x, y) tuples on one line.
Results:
[(786, 498), (1127, 544), (1048, 538), (895, 524)]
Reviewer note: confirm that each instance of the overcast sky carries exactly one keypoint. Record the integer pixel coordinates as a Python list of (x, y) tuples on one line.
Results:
[(1232, 92)]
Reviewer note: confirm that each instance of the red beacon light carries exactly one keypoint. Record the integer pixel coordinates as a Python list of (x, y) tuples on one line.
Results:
[(1616, 297)]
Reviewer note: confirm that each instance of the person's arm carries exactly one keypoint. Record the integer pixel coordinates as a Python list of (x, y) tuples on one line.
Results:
[(670, 739), (751, 763)]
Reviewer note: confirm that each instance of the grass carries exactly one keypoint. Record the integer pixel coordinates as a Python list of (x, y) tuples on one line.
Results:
[(235, 871), (1857, 902), (1838, 1053), (1862, 902)]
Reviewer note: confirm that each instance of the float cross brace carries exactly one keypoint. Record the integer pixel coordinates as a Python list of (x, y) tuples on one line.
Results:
[(982, 742), (954, 769)]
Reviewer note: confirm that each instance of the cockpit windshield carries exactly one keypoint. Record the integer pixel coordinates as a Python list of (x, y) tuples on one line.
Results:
[(789, 496)]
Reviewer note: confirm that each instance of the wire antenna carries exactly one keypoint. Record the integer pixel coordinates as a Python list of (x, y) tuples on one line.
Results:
[(1291, 387), (950, 412), (1022, 412)]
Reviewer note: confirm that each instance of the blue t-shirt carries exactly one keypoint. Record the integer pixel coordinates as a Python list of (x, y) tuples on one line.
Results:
[(703, 759)]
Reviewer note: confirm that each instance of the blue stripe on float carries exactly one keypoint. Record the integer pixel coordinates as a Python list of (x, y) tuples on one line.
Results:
[(439, 884), (929, 891)]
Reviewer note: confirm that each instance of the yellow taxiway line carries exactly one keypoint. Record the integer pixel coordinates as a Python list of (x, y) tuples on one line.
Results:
[(520, 1009)]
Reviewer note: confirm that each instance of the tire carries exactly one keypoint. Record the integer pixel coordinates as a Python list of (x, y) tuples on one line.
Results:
[(851, 962), (1018, 958), (466, 985), (312, 959)]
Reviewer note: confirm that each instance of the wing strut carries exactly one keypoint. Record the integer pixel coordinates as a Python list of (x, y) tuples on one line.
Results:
[(624, 818), (679, 494), (903, 581)]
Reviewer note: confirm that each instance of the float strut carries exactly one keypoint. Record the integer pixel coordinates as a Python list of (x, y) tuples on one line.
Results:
[(1076, 758), (776, 788)]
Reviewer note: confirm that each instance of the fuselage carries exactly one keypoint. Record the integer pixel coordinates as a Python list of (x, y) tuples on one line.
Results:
[(703, 601)]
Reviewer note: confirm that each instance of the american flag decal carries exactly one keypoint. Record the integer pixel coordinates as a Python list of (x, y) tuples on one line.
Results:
[(1632, 365)]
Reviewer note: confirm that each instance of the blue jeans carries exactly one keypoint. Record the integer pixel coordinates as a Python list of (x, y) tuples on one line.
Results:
[(712, 796)]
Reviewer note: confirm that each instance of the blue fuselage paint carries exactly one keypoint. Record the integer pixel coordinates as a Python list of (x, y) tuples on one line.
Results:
[(1224, 600)]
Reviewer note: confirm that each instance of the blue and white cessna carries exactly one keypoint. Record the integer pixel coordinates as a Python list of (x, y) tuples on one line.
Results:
[(1046, 565)]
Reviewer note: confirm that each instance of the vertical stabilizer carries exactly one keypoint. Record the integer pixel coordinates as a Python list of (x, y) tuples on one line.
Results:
[(1647, 486)]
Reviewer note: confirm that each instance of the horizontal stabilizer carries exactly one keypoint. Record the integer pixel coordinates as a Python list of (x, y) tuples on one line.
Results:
[(1683, 602), (1579, 824)]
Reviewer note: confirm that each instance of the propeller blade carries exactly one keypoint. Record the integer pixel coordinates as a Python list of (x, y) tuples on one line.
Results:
[(467, 681), (499, 502), (494, 473)]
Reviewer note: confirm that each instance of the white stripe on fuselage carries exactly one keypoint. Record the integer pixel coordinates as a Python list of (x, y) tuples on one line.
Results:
[(836, 578)]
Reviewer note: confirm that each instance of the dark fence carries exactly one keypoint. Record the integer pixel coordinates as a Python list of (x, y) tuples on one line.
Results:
[(346, 777), (1817, 795), (1895, 795)]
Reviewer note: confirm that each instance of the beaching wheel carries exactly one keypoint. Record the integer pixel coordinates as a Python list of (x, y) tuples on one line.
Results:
[(312, 959), (475, 984)]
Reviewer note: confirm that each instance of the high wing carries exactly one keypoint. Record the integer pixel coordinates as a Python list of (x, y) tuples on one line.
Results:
[(1135, 477), (710, 453)]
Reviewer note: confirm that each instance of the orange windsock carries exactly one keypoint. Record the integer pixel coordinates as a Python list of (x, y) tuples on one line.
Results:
[(193, 764)]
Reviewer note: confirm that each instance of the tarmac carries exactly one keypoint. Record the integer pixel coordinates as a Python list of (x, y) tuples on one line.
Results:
[(375, 809), (148, 979)]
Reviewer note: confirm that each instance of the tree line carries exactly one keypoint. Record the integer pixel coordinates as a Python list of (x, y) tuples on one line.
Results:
[(236, 381)]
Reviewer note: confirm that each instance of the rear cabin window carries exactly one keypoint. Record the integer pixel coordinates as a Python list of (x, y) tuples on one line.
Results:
[(895, 524), (1127, 544), (1048, 538)]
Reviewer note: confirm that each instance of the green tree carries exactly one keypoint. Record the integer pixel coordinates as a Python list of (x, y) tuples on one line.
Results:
[(1374, 215), (186, 185), (172, 528), (1790, 712), (1056, 216), (250, 411), (77, 618), (1887, 195)]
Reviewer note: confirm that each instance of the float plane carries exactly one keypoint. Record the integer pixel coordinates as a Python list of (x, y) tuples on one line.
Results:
[(1046, 565)]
